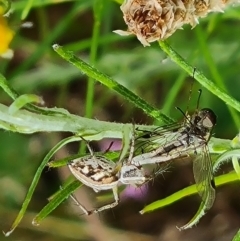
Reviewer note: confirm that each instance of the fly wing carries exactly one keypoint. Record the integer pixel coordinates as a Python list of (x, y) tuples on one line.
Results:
[(160, 131), (150, 140), (203, 175)]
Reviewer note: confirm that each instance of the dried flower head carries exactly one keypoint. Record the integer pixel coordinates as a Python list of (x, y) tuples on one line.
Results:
[(152, 20)]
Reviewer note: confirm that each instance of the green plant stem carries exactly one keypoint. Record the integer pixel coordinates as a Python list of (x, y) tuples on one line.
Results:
[(213, 69), (26, 9), (26, 122), (111, 84), (97, 10), (209, 85)]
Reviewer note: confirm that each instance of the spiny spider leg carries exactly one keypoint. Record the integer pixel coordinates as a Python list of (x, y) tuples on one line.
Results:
[(110, 205), (97, 210), (88, 146)]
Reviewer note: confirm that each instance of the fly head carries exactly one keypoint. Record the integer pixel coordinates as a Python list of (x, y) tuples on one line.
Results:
[(203, 122)]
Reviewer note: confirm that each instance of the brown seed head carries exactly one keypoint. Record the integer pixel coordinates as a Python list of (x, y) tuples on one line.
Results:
[(152, 20)]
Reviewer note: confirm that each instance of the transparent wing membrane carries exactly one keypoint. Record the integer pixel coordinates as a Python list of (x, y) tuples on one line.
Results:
[(203, 175)]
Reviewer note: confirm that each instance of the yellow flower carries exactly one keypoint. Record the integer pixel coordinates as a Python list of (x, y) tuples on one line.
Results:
[(6, 35)]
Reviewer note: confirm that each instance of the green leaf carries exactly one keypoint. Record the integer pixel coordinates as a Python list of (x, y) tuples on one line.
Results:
[(237, 236)]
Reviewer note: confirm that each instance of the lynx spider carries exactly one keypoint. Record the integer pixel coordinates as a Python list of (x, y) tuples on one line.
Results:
[(99, 173)]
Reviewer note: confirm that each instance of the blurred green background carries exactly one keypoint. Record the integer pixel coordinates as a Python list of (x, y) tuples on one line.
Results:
[(212, 47)]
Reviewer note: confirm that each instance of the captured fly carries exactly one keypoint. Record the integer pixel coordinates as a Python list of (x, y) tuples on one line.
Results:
[(180, 140)]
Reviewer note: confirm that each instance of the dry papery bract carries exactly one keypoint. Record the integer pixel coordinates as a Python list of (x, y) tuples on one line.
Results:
[(152, 20)]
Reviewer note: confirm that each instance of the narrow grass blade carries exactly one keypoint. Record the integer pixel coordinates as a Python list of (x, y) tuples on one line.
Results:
[(56, 201), (22, 100), (36, 179), (209, 85), (112, 84), (220, 180)]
